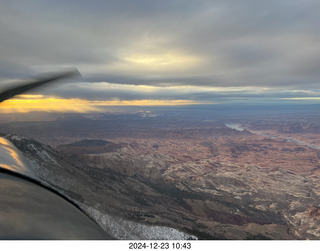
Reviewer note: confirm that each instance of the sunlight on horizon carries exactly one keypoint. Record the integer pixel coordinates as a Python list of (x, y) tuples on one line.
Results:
[(28, 103)]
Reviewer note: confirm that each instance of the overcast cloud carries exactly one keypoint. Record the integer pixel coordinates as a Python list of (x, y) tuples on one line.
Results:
[(263, 48)]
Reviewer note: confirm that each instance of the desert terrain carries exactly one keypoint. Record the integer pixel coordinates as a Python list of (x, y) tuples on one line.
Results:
[(195, 173)]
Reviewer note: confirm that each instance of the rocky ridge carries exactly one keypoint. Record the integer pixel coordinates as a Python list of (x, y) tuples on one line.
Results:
[(203, 196)]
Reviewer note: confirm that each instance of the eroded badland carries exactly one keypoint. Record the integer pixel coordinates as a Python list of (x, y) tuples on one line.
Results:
[(191, 172)]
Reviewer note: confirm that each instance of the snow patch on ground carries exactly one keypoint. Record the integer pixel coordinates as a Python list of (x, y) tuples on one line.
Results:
[(41, 153), (17, 138), (128, 230)]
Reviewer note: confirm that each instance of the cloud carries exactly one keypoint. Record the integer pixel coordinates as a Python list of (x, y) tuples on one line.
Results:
[(199, 44), (103, 91)]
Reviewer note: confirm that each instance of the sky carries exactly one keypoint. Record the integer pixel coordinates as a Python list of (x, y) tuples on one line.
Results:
[(168, 52)]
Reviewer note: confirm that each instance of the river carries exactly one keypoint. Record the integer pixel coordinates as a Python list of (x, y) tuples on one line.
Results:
[(239, 127)]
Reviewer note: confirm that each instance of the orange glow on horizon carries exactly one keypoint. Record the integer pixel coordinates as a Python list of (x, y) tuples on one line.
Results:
[(27, 103)]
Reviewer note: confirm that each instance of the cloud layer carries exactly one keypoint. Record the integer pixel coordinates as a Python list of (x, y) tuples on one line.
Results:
[(264, 48)]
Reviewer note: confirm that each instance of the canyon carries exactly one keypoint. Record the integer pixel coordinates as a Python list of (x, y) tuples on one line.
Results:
[(196, 175)]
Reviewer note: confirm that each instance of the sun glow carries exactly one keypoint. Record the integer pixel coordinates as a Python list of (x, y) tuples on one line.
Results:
[(158, 59), (28, 103)]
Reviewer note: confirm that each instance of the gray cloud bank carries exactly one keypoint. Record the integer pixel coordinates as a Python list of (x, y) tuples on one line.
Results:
[(264, 44)]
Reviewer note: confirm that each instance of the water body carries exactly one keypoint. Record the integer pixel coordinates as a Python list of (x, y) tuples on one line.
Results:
[(239, 127)]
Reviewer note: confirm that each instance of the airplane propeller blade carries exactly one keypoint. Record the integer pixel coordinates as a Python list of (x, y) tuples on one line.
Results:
[(7, 94)]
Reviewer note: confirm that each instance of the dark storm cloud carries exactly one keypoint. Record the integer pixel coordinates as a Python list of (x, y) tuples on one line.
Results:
[(272, 44)]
